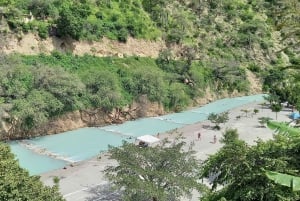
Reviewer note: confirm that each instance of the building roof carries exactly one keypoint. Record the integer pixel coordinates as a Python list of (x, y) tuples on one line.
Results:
[(148, 139)]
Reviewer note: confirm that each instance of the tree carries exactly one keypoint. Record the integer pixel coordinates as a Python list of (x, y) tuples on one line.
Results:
[(229, 76), (263, 121), (285, 16), (157, 10), (16, 184), (148, 82), (217, 119), (275, 80), (255, 111), (276, 107), (178, 97), (230, 135), (15, 82), (38, 107), (293, 93), (104, 90), (246, 111), (241, 169), (42, 9), (63, 85), (71, 20), (272, 99), (161, 172)]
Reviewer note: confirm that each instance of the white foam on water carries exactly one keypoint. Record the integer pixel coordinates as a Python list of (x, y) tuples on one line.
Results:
[(43, 151)]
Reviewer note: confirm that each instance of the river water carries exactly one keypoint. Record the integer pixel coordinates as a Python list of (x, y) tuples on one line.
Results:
[(43, 154)]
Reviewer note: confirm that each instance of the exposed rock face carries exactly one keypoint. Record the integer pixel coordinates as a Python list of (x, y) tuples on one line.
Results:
[(31, 44), (85, 118)]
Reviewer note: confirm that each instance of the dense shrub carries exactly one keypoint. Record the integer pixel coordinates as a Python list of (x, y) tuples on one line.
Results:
[(254, 67), (17, 184), (147, 82), (178, 99), (104, 89), (77, 19), (43, 30)]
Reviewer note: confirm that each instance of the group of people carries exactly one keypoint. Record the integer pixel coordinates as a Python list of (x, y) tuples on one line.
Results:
[(214, 139)]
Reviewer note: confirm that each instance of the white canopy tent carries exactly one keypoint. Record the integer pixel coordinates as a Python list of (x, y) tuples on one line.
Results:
[(149, 139)]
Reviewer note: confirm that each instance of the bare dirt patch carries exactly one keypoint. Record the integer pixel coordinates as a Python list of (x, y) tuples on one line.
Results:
[(31, 44)]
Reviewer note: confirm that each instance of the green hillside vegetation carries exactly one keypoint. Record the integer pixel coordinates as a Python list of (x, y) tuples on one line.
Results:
[(89, 20), (38, 88), (210, 44)]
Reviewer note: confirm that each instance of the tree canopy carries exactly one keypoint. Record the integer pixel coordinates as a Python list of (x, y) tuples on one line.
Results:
[(17, 184), (217, 119), (241, 168), (161, 172)]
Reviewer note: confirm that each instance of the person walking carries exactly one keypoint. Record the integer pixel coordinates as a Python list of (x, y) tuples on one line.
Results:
[(199, 136), (215, 139)]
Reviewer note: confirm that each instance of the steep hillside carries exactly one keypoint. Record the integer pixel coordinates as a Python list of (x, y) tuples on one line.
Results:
[(92, 62)]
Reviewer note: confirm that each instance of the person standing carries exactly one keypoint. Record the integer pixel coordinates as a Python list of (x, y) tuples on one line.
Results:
[(199, 136), (215, 139)]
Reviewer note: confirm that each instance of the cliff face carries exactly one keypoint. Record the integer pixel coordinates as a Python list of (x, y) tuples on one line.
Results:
[(30, 44)]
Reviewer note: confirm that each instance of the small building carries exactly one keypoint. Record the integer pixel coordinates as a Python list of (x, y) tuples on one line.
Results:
[(147, 140)]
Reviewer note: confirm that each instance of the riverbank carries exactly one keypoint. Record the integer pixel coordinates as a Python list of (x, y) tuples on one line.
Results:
[(83, 180)]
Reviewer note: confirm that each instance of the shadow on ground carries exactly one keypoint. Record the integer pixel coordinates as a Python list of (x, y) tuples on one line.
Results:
[(107, 193), (104, 193)]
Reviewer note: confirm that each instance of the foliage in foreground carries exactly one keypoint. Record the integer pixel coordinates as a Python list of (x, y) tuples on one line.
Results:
[(16, 184), (284, 129), (285, 180), (241, 169), (162, 172)]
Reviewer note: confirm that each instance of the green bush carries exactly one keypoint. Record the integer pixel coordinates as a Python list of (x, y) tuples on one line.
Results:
[(147, 82), (202, 76), (174, 36), (178, 99), (104, 89), (26, 27), (43, 30), (36, 109), (123, 35), (254, 67)]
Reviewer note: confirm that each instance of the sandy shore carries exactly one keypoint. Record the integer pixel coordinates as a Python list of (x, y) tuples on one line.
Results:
[(82, 181)]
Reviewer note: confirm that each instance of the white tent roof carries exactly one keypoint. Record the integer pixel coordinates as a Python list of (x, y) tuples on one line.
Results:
[(148, 139)]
